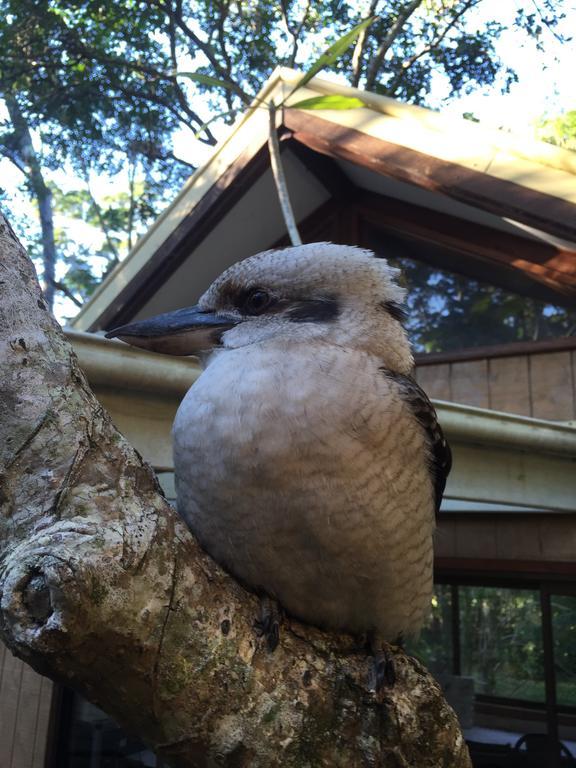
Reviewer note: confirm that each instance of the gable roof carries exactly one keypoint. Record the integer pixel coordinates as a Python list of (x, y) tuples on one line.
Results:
[(388, 175)]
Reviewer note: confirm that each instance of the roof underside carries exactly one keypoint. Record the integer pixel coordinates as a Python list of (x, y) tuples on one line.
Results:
[(349, 185)]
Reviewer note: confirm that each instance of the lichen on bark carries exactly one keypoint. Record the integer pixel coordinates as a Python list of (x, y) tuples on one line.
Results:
[(102, 587)]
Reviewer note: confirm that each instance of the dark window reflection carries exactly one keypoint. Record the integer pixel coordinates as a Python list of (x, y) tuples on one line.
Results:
[(564, 636), (501, 642), (88, 738), (485, 646), (434, 644)]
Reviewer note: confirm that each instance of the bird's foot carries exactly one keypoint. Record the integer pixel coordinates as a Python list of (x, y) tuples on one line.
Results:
[(382, 670), (268, 622)]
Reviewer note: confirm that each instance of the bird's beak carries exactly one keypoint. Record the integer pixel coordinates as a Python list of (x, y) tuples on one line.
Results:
[(187, 331)]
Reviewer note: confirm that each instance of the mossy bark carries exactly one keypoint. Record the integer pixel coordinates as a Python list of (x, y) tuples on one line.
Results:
[(102, 587)]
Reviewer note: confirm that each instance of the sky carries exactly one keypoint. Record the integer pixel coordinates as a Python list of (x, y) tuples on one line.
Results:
[(546, 85)]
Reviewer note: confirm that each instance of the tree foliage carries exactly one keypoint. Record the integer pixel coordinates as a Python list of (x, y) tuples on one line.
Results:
[(448, 312), (560, 130), (93, 87), (500, 641)]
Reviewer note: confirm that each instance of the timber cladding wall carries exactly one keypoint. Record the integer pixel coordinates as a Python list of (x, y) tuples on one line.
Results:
[(540, 383), (25, 702)]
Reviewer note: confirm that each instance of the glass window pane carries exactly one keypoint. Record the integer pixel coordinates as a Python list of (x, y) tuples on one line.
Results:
[(501, 642), (434, 645), (91, 739), (448, 311), (564, 634)]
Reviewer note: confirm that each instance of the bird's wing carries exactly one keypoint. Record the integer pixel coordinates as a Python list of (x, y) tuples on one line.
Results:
[(423, 411)]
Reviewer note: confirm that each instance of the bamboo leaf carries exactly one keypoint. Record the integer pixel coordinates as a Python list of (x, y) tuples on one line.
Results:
[(214, 82), (205, 125), (329, 102), (333, 53)]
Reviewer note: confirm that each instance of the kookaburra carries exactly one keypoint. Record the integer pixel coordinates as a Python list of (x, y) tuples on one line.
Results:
[(309, 463)]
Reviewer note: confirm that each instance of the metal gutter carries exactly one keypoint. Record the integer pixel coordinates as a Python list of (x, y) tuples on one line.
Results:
[(116, 365), (499, 458), (465, 423)]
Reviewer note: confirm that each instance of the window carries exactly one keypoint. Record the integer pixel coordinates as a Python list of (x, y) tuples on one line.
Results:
[(449, 312), (514, 646), (501, 642), (87, 738), (563, 609)]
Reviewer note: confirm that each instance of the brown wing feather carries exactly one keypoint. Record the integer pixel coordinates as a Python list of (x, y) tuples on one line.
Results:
[(425, 414)]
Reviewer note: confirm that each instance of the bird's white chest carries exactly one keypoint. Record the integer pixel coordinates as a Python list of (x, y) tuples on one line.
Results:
[(303, 474), (261, 409)]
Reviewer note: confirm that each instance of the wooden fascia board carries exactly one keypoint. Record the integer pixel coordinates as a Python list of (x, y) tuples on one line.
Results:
[(212, 207), (543, 262), (505, 567), (490, 193)]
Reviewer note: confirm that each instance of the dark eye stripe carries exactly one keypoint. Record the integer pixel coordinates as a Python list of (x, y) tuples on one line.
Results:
[(314, 311)]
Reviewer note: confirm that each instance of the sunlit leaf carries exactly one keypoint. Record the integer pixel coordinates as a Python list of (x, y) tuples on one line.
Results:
[(213, 82), (334, 52), (205, 125), (329, 102)]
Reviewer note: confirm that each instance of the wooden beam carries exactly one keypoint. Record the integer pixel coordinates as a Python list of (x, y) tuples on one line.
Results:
[(504, 198), (546, 263), (462, 566)]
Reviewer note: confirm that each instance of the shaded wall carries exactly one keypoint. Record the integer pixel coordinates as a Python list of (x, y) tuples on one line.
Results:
[(540, 383)]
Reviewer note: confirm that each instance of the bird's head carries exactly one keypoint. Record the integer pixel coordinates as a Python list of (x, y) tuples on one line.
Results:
[(336, 294)]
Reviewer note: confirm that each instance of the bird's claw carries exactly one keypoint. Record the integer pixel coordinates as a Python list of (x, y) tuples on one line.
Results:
[(383, 672), (268, 623), (382, 669)]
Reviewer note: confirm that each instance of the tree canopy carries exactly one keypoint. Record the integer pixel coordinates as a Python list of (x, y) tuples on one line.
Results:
[(99, 89)]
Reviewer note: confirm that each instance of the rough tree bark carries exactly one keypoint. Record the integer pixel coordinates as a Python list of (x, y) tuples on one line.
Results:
[(103, 588)]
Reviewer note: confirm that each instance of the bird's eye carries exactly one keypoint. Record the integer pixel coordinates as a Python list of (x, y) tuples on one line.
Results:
[(256, 302)]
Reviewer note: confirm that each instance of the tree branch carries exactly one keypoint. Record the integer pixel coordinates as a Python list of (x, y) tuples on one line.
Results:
[(206, 49), (391, 89), (39, 188), (181, 161), (280, 179), (104, 588), (387, 42), (294, 33), (360, 47), (67, 292), (9, 155)]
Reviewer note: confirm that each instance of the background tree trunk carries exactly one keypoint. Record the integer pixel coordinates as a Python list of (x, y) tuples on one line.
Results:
[(31, 167), (103, 588)]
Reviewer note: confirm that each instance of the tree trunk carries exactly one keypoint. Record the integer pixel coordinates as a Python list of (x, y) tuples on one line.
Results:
[(103, 588), (39, 189)]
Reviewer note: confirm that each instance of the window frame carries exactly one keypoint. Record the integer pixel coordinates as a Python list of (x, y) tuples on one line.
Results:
[(553, 712)]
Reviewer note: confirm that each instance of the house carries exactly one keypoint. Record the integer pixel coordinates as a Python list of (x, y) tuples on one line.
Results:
[(408, 182)]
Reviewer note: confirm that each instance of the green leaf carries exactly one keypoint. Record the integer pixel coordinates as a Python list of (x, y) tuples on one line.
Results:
[(214, 82), (205, 125), (329, 102), (333, 53)]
